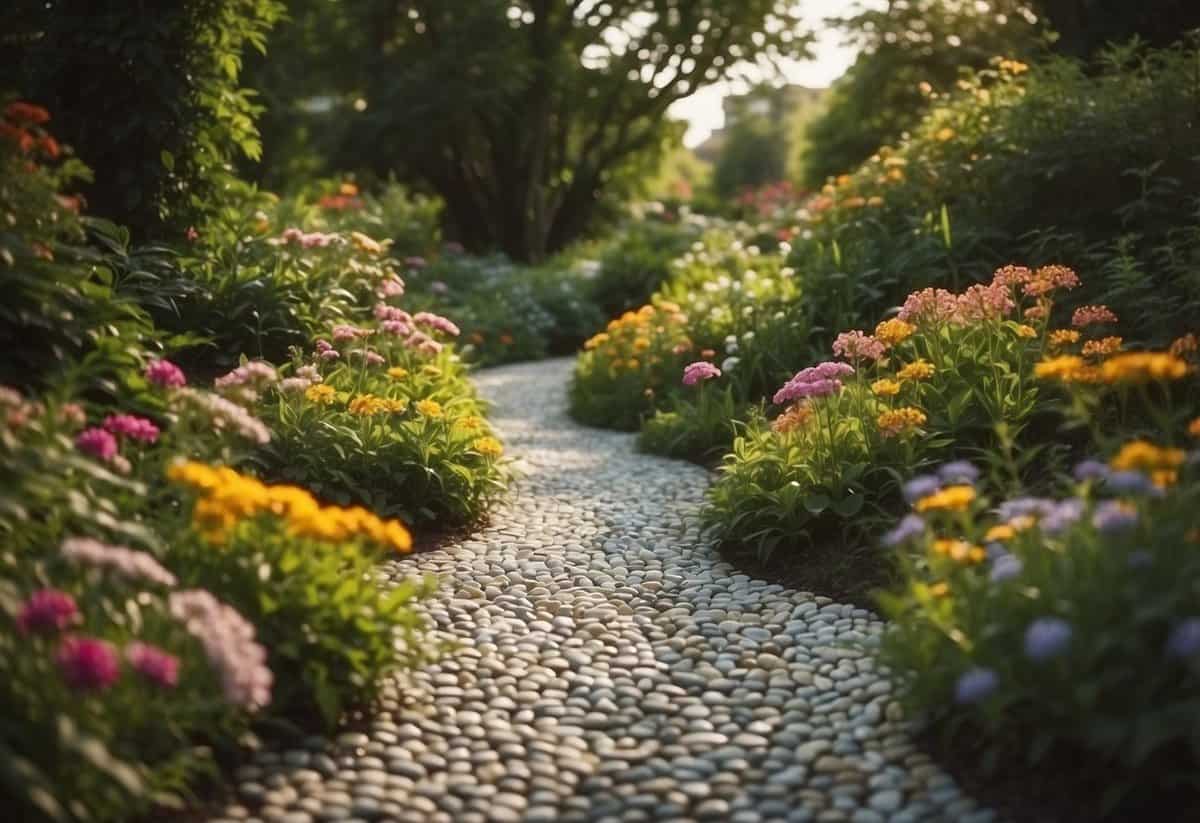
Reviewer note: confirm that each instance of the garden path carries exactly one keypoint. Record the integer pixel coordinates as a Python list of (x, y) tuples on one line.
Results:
[(612, 667)]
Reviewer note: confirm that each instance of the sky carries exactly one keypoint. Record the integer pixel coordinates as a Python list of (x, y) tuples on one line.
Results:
[(702, 110)]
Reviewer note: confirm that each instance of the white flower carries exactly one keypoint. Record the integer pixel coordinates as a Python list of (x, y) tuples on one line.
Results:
[(747, 337), (729, 363)]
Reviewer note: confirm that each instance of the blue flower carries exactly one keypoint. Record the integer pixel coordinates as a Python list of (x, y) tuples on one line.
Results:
[(908, 528), (975, 684), (1130, 482), (1113, 516), (1090, 470), (1184, 640), (1024, 507), (920, 486), (958, 471), (1006, 567), (1062, 515), (1047, 637)]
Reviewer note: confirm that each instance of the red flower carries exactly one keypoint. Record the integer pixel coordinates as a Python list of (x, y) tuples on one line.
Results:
[(26, 112)]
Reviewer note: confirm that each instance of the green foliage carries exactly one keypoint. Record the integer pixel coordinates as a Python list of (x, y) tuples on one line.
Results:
[(697, 428), (635, 263), (150, 101), (754, 151)]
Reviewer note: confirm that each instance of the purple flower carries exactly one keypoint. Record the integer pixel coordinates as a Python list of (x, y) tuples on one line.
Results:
[(1005, 567), (1062, 515), (1090, 470), (47, 610), (131, 426), (229, 644), (154, 664), (920, 486), (98, 443), (974, 685), (1184, 640), (909, 527), (1130, 482), (1025, 507), (958, 471), (797, 390), (1047, 637), (165, 374), (701, 370), (1114, 516), (88, 663)]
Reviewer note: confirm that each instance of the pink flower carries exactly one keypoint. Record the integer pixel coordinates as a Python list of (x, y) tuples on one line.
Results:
[(436, 322), (47, 610), (699, 371), (154, 664), (1050, 278), (856, 346), (98, 443), (165, 374), (72, 414), (191, 234), (309, 373), (929, 306), (1092, 316), (128, 563), (88, 663), (329, 354), (396, 327), (385, 312), (820, 380), (294, 385), (229, 645), (979, 303), (344, 332), (375, 359), (392, 286), (416, 262), (255, 374), (131, 426), (1010, 276)]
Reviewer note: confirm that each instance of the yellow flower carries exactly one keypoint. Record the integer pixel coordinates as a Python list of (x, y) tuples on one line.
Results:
[(854, 202), (1001, 532), (1104, 346), (1142, 367), (430, 370), (596, 341), (792, 419), (397, 373), (1142, 455), (895, 175), (321, 394), (886, 388), (1194, 428), (488, 447), (366, 405), (945, 134), (1026, 331), (894, 331), (1013, 66), (875, 201), (959, 550), (430, 408), (1062, 337), (897, 421), (395, 405), (951, 498), (365, 244), (1059, 368), (916, 370), (641, 344), (1184, 345), (632, 363), (939, 589), (669, 307)]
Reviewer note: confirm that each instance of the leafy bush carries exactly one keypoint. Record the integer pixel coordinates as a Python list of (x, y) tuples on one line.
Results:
[(635, 264)]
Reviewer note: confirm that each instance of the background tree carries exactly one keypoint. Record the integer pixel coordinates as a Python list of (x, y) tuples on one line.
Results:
[(1085, 26), (147, 93), (522, 114)]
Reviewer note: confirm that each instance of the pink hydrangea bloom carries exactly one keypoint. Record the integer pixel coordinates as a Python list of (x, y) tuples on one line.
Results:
[(128, 563), (98, 443), (154, 664), (979, 303), (699, 371), (856, 346), (165, 374), (88, 663), (47, 610), (229, 644), (929, 306), (436, 322), (131, 426)]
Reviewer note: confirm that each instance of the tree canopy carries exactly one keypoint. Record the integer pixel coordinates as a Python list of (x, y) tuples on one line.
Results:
[(521, 114)]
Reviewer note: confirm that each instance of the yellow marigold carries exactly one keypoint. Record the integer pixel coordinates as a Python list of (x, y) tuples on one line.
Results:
[(1013, 66), (895, 175), (488, 447), (632, 364), (940, 589), (596, 341), (897, 421), (945, 134), (1064, 367), (886, 388), (1062, 337), (470, 423), (646, 312), (959, 550), (844, 180), (1001, 532), (1102, 347), (1025, 331), (430, 408), (1142, 455), (1184, 345), (322, 394), (397, 373), (792, 419), (1194, 428), (395, 405), (366, 405), (894, 331), (641, 344), (875, 201), (917, 370), (1164, 477), (1142, 367), (951, 498)]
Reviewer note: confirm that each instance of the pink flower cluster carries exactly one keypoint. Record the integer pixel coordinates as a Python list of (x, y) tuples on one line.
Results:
[(325, 351), (436, 322), (225, 415), (391, 286), (394, 321), (856, 346), (47, 610), (256, 375), (929, 306), (165, 374), (1050, 278), (1092, 316), (306, 240), (153, 663), (229, 644), (97, 442), (821, 380), (344, 333), (128, 563), (373, 358), (980, 302), (423, 343), (88, 663), (132, 427), (304, 377), (699, 371)]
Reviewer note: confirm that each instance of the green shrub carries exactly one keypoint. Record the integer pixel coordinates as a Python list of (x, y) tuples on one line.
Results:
[(635, 263)]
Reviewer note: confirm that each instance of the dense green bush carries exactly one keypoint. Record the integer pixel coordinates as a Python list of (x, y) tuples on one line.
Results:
[(635, 263)]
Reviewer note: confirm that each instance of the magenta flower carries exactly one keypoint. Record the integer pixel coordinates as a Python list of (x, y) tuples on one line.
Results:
[(699, 371), (131, 426), (165, 374), (98, 443), (856, 346), (88, 663), (820, 380), (154, 664), (436, 322), (47, 610)]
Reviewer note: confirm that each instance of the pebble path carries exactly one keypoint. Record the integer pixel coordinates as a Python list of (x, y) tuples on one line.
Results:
[(611, 667)]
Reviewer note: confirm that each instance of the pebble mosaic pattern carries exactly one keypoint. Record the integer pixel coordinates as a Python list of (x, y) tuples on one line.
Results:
[(610, 667)]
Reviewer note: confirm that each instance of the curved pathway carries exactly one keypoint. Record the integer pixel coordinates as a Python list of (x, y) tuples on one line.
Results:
[(612, 668)]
